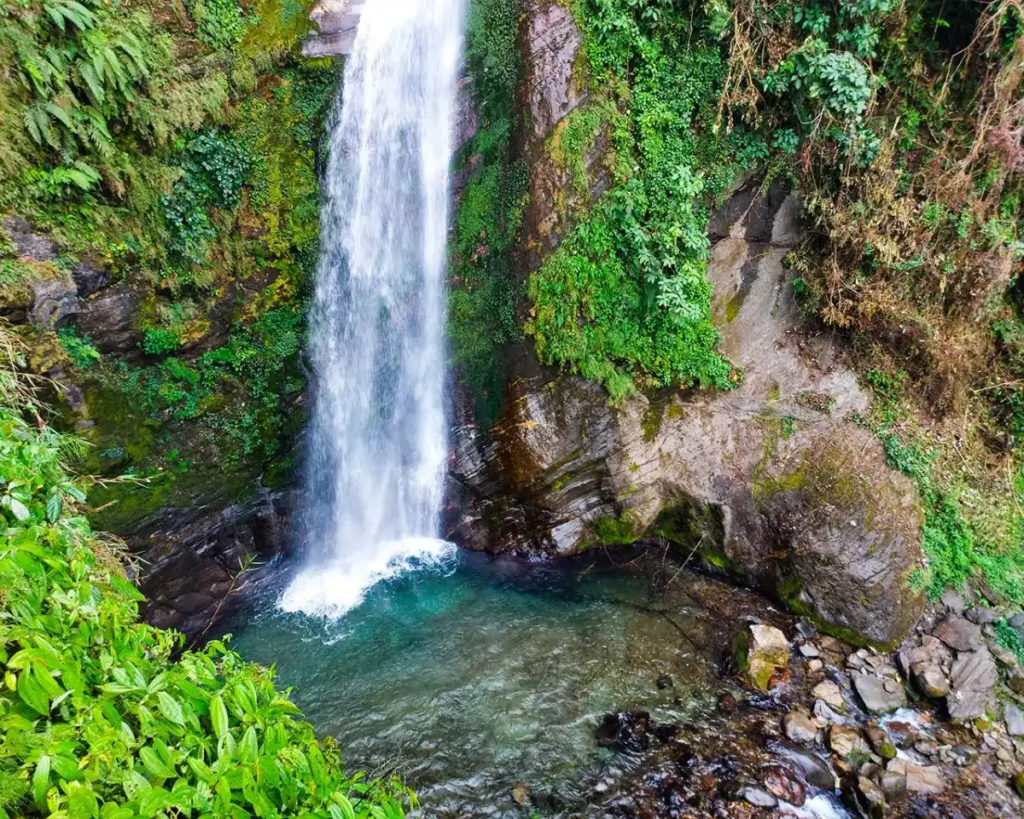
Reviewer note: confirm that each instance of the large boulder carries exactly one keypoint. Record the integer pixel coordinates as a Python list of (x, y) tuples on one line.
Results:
[(337, 22)]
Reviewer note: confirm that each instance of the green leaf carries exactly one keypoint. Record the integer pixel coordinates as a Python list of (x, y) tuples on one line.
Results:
[(218, 716), (248, 749), (33, 695), (41, 784), (347, 811), (170, 708), (155, 765)]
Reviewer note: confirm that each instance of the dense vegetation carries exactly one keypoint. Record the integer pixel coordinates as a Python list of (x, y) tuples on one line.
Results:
[(103, 716), (173, 146), (901, 123)]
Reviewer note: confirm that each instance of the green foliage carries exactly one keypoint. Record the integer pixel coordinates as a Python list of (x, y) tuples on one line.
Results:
[(214, 168), (104, 716), (1009, 637), (625, 299), (79, 350), (956, 547), (159, 341), (220, 24), (482, 308)]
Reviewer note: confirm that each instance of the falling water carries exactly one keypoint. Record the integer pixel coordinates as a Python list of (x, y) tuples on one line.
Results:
[(377, 441)]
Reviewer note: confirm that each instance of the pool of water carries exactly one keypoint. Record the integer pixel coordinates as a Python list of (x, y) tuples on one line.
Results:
[(468, 678)]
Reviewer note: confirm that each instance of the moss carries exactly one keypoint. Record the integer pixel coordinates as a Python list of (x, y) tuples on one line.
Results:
[(732, 309), (617, 531), (650, 422)]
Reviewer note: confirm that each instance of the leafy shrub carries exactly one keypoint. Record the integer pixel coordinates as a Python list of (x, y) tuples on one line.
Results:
[(159, 341), (214, 169), (220, 24), (79, 350), (104, 716)]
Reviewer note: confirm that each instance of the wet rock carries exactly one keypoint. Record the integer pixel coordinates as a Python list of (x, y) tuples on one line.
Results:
[(625, 731), (89, 277), (881, 743), (758, 797), (894, 785), (337, 22), (871, 797), (880, 696), (823, 712), (929, 679), (667, 731), (926, 747), (1015, 682), (810, 651), (727, 703), (521, 794), (931, 650), (953, 602), (814, 666), (1014, 720), (959, 634), (783, 784), (799, 727), (830, 694), (902, 733), (847, 743), (663, 682), (922, 779), (814, 769), (973, 681), (760, 651)]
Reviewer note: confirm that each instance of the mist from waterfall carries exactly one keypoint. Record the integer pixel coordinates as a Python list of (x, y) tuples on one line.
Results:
[(376, 450)]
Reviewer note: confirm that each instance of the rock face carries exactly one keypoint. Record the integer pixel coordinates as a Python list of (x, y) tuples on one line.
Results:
[(771, 481), (337, 22)]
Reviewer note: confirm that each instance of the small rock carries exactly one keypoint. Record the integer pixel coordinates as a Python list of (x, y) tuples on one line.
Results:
[(1014, 720), (924, 779), (958, 634), (1017, 621), (894, 785), (879, 696), (663, 682), (521, 794), (903, 734), (1016, 683), (809, 650), (1002, 655), (756, 796), (1018, 784), (783, 784), (814, 769), (667, 731), (952, 601), (963, 756), (926, 747), (814, 666), (760, 652), (799, 727), (973, 679), (982, 616), (727, 703), (826, 714), (830, 694), (872, 797), (929, 679), (847, 743), (880, 742), (855, 660), (625, 731)]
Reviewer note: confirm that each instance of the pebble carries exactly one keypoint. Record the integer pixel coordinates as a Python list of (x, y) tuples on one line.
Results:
[(808, 650), (1014, 720), (814, 666), (879, 696), (846, 742), (930, 680), (829, 693), (799, 727)]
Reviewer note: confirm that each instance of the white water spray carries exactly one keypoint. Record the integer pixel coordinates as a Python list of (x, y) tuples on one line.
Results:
[(377, 441)]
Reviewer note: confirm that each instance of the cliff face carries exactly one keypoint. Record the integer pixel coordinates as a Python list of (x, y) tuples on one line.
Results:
[(772, 481)]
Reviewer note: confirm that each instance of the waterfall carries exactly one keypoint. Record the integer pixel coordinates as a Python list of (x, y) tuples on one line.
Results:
[(376, 458)]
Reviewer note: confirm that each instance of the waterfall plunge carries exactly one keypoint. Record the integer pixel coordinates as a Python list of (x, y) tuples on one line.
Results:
[(377, 442)]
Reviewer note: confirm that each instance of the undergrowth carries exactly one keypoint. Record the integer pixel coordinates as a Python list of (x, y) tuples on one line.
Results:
[(104, 717)]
